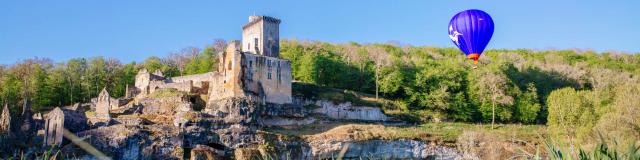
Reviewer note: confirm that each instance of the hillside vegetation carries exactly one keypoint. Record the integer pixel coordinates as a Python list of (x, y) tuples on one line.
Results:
[(580, 95)]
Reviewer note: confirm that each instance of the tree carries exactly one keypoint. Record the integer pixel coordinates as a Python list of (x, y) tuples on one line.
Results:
[(219, 45), (527, 105), (571, 113), (492, 86), (439, 87), (183, 57), (202, 63), (620, 123), (393, 81), (153, 63), (380, 58)]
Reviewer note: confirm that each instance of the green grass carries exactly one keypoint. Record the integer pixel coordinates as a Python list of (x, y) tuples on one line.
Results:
[(166, 92), (336, 95), (90, 114), (442, 132)]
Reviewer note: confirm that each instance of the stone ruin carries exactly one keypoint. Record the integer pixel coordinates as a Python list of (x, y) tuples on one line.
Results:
[(59, 119), (251, 66), (5, 121), (103, 105), (28, 124), (210, 114)]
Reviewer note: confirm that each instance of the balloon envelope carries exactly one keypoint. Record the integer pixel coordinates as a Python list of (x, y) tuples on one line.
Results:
[(471, 31)]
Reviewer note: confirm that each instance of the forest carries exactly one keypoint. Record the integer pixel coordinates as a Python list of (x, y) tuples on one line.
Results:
[(580, 95)]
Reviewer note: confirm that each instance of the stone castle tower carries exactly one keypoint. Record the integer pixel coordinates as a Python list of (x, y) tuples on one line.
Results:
[(261, 36)]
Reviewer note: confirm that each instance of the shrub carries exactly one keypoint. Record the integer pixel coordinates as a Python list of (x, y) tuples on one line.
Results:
[(571, 114)]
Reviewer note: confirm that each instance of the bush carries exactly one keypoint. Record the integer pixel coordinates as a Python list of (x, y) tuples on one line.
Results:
[(571, 114)]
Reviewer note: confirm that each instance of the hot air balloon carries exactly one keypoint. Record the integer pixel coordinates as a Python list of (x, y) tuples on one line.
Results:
[(471, 31)]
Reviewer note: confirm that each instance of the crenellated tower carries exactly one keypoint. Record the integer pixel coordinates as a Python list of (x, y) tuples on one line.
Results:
[(261, 36)]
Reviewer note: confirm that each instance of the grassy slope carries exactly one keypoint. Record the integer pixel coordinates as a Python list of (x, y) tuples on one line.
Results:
[(437, 132), (447, 132)]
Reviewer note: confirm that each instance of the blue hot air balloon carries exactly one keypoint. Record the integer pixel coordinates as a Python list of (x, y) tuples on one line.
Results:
[(471, 31)]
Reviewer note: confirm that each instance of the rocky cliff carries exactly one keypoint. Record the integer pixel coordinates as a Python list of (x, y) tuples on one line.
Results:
[(168, 127)]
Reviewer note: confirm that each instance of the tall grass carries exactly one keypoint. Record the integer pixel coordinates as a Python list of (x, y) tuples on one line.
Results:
[(601, 151)]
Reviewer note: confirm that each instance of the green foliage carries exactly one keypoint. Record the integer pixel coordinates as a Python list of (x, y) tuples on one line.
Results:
[(202, 63), (154, 63), (424, 82), (490, 88), (600, 151), (440, 87), (527, 106), (433, 82), (167, 92), (571, 113)]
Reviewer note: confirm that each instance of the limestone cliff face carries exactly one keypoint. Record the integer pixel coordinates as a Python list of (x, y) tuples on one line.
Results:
[(230, 127), (350, 148), (241, 115), (235, 110), (125, 142), (381, 149)]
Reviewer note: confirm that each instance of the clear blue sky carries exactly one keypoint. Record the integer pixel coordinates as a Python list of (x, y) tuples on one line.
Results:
[(133, 30)]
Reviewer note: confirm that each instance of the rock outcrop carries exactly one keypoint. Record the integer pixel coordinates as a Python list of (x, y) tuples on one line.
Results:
[(381, 149)]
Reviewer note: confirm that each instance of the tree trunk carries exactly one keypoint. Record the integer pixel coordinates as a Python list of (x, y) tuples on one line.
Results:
[(493, 113), (376, 83)]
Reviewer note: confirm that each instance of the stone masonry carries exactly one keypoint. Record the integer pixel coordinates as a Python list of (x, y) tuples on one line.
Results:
[(5, 121), (103, 105), (251, 67)]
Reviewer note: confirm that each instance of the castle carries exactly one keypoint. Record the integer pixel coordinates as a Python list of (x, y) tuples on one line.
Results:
[(250, 67)]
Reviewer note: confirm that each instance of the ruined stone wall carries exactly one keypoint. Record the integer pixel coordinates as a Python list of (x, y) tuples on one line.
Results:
[(5, 120), (180, 86), (144, 79), (197, 79), (59, 119), (103, 105), (227, 81), (268, 77), (53, 126), (114, 103)]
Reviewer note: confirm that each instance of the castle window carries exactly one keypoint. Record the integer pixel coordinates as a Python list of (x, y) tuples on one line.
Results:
[(229, 68), (278, 72), (256, 42), (248, 46), (268, 69), (250, 64)]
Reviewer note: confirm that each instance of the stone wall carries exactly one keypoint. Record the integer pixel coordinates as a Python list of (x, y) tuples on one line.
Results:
[(227, 82), (162, 106), (103, 105), (268, 77), (144, 78), (59, 119), (5, 120), (252, 35), (261, 36), (186, 86), (196, 79)]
